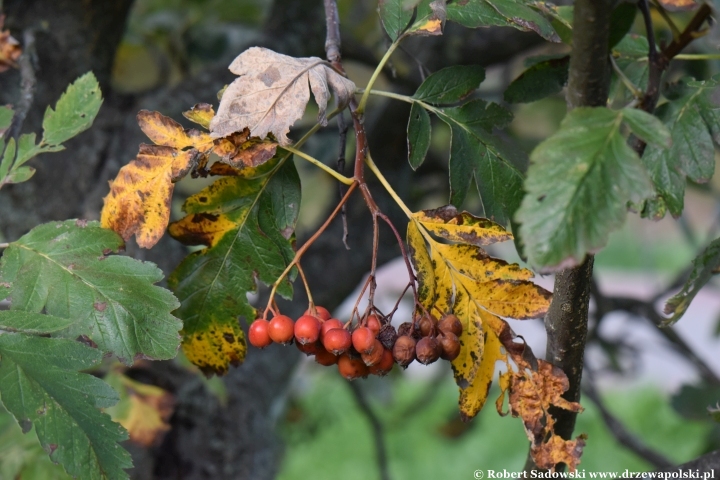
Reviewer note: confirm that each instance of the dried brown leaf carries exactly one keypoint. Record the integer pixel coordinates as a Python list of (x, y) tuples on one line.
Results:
[(558, 450), (10, 49), (271, 93)]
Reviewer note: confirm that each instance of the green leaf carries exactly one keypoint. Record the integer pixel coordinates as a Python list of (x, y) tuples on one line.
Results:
[(41, 386), (632, 46), (692, 401), (693, 117), (20, 175), (429, 17), (705, 266), (33, 323), (7, 160), (648, 127), (418, 135), (450, 85), (539, 81), (6, 116), (394, 17), (477, 154), (61, 268), (503, 13), (74, 112), (247, 226), (560, 18), (715, 412), (578, 186), (621, 20)]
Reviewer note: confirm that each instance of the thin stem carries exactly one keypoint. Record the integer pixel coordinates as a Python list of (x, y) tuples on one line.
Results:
[(305, 282), (363, 100), (386, 184), (697, 56), (637, 93), (307, 245), (319, 164)]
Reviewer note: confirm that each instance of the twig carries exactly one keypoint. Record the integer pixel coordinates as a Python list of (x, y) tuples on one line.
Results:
[(618, 430), (377, 429), (340, 167), (27, 84)]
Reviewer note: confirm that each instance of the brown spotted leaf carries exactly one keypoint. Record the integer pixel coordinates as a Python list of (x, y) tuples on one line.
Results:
[(463, 227), (271, 93), (240, 150), (558, 450), (201, 114)]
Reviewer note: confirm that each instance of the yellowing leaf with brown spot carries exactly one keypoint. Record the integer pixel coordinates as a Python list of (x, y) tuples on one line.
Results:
[(271, 93), (201, 114), (219, 344), (139, 199), (144, 410), (448, 223)]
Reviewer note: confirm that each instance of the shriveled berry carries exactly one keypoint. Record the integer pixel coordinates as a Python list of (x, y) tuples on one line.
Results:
[(307, 329), (404, 350), (427, 350), (405, 329), (450, 324), (323, 357), (258, 333), (450, 346), (374, 323), (385, 364), (352, 368), (375, 354), (329, 325), (426, 325), (387, 336), (321, 313), (281, 329), (363, 339), (337, 340), (309, 348)]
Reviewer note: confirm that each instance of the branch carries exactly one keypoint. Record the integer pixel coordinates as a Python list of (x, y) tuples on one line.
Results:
[(27, 84), (377, 429)]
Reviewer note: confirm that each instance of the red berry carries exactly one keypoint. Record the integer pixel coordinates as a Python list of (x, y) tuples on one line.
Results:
[(375, 355), (404, 350), (329, 325), (309, 348), (323, 357), (321, 313), (337, 340), (307, 329), (352, 368), (281, 329), (427, 350), (385, 364), (373, 323), (363, 340), (258, 333), (451, 324)]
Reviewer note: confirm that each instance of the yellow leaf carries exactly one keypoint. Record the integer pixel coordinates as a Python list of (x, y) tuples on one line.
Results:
[(423, 265), (201, 114), (217, 345), (448, 223), (163, 130), (143, 410), (139, 199)]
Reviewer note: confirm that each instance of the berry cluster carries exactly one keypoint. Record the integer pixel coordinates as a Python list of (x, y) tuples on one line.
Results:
[(369, 348)]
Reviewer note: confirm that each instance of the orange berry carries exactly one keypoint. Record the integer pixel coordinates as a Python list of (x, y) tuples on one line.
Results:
[(352, 368), (323, 357), (281, 329), (363, 340), (337, 340), (375, 355), (329, 325), (321, 313), (385, 364), (374, 323), (307, 329), (258, 333), (309, 348)]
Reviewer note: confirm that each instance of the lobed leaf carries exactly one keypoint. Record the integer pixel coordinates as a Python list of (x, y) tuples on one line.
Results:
[(41, 386), (61, 268), (32, 323), (578, 187), (693, 118), (502, 13), (247, 226), (705, 265), (272, 91), (74, 112), (463, 227)]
